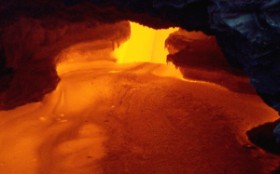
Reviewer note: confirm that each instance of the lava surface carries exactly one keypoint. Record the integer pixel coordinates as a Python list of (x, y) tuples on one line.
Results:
[(106, 117)]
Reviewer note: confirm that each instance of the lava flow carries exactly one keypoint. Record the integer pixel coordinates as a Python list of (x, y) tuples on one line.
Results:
[(131, 116)]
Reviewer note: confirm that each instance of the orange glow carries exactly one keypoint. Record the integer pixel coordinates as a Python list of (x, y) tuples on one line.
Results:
[(144, 45), (148, 45), (127, 117)]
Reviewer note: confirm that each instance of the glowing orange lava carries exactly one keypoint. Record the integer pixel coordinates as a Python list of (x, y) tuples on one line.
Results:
[(108, 117)]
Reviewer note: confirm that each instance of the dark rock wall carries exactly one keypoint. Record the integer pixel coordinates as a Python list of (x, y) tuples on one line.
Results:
[(247, 32), (28, 66), (199, 57)]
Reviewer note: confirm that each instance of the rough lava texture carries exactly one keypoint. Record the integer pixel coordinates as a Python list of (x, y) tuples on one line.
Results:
[(199, 58), (33, 33)]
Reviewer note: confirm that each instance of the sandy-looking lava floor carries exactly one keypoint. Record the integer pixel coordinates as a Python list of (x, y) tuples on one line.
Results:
[(116, 119)]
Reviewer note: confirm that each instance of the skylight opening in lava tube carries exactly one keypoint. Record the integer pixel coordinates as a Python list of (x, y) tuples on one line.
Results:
[(144, 45), (147, 45)]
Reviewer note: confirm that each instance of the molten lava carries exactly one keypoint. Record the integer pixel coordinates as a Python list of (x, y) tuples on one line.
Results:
[(115, 118)]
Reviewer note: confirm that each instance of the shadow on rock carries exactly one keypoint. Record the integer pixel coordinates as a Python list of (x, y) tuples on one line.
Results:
[(262, 136)]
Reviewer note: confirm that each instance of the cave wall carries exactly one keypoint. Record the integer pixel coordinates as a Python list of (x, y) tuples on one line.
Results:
[(33, 33), (248, 32), (29, 64), (199, 57)]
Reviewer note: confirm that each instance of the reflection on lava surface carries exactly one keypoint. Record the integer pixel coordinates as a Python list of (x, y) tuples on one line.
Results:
[(108, 117)]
